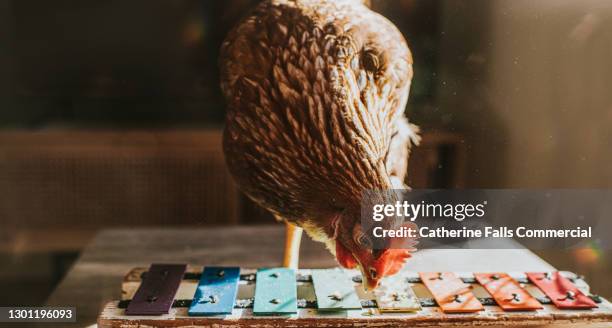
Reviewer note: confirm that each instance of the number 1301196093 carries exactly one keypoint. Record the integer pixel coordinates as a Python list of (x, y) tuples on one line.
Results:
[(40, 314)]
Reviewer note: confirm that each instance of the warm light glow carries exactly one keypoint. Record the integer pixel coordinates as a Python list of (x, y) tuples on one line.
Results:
[(587, 255)]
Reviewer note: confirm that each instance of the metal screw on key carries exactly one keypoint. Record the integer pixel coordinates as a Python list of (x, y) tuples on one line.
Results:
[(439, 277), (210, 299), (570, 295), (335, 296), (515, 297)]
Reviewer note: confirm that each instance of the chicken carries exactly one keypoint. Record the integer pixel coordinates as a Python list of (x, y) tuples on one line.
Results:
[(316, 92)]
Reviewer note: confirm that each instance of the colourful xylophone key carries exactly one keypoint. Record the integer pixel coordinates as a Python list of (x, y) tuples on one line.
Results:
[(216, 291), (334, 290), (451, 294), (394, 294), (562, 292), (508, 294), (275, 292), (156, 292)]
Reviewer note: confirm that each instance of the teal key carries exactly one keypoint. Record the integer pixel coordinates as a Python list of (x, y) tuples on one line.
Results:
[(216, 291), (275, 292), (335, 290)]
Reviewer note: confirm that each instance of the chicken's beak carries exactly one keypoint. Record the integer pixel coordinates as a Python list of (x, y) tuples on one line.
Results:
[(367, 281)]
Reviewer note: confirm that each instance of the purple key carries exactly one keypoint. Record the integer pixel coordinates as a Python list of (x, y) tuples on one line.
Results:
[(157, 290)]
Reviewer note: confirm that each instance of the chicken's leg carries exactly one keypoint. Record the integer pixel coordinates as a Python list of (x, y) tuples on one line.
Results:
[(292, 246)]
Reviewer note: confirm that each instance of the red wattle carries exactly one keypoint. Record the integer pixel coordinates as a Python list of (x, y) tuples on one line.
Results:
[(344, 257)]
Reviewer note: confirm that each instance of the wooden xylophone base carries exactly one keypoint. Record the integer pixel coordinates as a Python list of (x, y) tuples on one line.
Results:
[(113, 314)]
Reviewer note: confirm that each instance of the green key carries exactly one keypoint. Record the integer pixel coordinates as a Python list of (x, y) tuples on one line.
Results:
[(275, 292), (335, 290)]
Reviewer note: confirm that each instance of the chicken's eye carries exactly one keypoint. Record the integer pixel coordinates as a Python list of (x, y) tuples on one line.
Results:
[(377, 253), (364, 241)]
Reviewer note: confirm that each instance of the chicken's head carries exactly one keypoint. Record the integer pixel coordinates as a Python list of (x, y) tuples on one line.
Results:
[(356, 248)]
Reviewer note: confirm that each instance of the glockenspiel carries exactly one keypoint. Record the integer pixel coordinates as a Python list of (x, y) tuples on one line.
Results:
[(196, 296)]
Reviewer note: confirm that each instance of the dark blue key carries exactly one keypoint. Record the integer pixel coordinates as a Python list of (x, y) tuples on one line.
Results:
[(216, 292)]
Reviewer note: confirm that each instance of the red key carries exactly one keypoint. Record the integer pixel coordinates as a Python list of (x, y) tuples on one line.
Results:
[(562, 292), (507, 292), (451, 294)]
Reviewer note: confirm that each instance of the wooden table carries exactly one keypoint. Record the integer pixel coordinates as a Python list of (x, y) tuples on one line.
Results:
[(97, 275)]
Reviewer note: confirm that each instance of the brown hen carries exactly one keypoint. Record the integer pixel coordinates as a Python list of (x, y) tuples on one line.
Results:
[(316, 92)]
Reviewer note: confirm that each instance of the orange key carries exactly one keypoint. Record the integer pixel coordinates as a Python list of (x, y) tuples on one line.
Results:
[(507, 292), (451, 294), (561, 291)]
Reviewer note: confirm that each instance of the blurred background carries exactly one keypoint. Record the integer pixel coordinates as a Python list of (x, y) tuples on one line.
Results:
[(111, 116)]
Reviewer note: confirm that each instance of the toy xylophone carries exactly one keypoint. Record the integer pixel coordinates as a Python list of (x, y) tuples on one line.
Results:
[(181, 296)]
